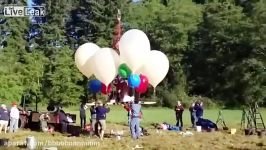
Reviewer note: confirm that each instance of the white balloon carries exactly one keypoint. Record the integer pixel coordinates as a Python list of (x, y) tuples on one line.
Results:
[(105, 65), (155, 67), (134, 45), (82, 57)]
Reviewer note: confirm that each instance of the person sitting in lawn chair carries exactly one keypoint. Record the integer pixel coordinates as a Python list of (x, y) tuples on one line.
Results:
[(44, 118), (63, 120)]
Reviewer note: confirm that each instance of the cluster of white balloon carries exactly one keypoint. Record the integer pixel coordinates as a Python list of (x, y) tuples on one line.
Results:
[(135, 52)]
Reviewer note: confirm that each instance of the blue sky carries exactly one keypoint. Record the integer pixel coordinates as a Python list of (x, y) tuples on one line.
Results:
[(136, 0)]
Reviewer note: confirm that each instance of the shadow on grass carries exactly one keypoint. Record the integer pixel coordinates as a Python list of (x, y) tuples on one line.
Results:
[(22, 146)]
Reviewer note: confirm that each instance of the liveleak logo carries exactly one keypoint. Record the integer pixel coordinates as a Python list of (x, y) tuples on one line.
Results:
[(22, 11)]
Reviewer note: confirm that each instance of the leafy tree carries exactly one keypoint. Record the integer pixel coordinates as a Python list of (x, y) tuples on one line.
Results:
[(222, 49), (61, 79)]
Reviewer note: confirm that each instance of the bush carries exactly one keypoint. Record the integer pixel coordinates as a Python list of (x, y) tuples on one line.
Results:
[(207, 102), (169, 99)]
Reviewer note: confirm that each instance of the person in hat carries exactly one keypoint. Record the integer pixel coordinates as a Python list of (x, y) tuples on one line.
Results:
[(14, 117), (4, 117), (101, 111)]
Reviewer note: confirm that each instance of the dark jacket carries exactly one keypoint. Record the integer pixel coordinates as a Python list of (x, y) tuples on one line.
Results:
[(62, 117), (179, 110), (191, 109), (93, 112), (199, 111), (4, 114), (82, 111), (101, 112)]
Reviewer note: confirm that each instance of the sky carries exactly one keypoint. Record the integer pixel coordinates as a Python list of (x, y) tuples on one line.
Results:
[(136, 0)]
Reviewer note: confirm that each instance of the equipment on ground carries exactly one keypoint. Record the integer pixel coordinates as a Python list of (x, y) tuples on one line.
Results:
[(220, 120), (252, 118)]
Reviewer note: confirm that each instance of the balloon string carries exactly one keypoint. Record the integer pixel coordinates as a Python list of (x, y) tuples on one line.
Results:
[(106, 98)]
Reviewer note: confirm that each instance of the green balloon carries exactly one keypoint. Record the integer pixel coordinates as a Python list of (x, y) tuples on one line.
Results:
[(125, 68), (122, 73)]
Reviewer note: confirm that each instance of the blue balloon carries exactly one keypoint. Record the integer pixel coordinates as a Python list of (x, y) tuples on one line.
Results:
[(95, 86), (134, 80)]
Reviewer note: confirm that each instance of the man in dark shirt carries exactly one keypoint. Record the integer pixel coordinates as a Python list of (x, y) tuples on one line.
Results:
[(4, 117), (199, 111), (179, 112), (101, 117), (63, 121), (82, 114), (192, 114)]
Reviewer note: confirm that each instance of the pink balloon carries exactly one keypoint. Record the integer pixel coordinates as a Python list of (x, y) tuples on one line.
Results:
[(106, 90), (144, 83)]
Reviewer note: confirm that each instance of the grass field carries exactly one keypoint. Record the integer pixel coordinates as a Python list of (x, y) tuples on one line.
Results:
[(159, 115), (165, 140)]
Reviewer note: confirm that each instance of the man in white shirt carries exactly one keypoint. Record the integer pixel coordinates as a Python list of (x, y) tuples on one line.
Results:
[(14, 117)]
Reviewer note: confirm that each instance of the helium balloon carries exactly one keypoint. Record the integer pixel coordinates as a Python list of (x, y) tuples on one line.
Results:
[(95, 86), (156, 67), (134, 80), (144, 83), (106, 90), (83, 57), (134, 45), (124, 71), (105, 65)]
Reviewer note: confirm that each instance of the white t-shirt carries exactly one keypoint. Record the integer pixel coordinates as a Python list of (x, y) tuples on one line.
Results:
[(14, 113)]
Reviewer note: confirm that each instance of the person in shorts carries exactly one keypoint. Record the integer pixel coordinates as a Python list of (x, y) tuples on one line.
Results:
[(101, 111), (4, 117)]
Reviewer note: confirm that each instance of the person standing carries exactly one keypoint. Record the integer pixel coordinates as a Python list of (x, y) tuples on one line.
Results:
[(127, 106), (179, 113), (82, 114), (101, 112), (135, 111), (93, 119), (4, 117), (199, 111), (23, 118), (192, 114), (14, 117)]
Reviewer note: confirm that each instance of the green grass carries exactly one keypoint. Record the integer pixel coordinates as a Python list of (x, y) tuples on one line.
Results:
[(156, 140), (158, 115)]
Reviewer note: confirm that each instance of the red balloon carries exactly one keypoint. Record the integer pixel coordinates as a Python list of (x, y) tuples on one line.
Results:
[(144, 83), (106, 90)]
